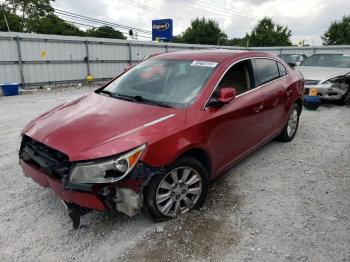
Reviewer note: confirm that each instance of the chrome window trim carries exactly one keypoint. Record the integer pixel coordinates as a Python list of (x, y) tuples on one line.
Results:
[(205, 107)]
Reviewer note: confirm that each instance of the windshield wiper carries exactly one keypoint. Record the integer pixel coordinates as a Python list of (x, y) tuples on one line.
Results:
[(141, 99), (114, 95), (137, 99)]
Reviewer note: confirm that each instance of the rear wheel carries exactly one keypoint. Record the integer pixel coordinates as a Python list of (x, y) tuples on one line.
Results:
[(291, 126), (181, 188)]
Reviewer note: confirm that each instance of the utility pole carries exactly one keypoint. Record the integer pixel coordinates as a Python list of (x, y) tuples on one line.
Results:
[(7, 24)]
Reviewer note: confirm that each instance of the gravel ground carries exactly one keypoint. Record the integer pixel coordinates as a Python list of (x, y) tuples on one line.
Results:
[(285, 202)]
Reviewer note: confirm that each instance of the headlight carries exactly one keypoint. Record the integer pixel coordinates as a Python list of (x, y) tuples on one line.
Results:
[(335, 80), (106, 171)]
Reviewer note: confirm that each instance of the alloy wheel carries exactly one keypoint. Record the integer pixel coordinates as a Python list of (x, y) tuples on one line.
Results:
[(178, 191), (292, 122)]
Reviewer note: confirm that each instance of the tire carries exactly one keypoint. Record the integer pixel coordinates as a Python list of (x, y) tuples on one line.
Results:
[(182, 196), (292, 122), (345, 99)]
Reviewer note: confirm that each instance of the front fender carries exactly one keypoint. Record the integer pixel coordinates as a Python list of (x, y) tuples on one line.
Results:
[(165, 151)]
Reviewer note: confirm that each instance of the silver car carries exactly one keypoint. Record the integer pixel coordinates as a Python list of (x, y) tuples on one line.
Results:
[(293, 59), (329, 74)]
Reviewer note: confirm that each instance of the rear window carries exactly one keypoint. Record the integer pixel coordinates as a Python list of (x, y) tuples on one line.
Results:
[(281, 69), (266, 70)]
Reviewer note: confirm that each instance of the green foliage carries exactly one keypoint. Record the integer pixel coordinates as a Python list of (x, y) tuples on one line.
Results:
[(177, 39), (52, 24), (29, 11), (338, 33), (266, 33), (202, 31), (38, 16), (13, 20), (106, 32), (237, 42)]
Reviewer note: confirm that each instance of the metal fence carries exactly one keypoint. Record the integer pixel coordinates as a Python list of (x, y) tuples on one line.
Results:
[(35, 59)]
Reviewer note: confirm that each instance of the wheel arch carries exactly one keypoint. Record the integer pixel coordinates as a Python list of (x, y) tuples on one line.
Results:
[(299, 102), (201, 155)]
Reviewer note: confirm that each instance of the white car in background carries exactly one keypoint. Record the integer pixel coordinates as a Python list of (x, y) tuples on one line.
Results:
[(293, 59), (329, 74)]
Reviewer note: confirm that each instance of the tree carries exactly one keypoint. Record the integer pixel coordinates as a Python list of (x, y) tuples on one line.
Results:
[(266, 33), (13, 20), (338, 33), (106, 32), (236, 42), (52, 24), (30, 11), (203, 31)]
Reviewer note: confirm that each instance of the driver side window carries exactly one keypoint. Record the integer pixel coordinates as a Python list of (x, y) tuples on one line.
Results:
[(238, 76)]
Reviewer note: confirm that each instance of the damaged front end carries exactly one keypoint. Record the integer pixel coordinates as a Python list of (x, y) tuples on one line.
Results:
[(113, 183), (336, 88)]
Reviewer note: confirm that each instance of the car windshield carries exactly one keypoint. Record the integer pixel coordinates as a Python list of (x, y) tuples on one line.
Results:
[(163, 82), (328, 60), (290, 58)]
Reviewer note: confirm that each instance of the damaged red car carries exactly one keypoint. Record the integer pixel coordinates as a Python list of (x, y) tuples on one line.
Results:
[(155, 141)]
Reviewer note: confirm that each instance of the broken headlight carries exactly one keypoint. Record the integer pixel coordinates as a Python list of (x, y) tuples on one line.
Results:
[(335, 80), (106, 171)]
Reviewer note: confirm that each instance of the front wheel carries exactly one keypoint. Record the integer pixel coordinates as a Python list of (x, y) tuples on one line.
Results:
[(291, 126), (345, 99), (182, 187)]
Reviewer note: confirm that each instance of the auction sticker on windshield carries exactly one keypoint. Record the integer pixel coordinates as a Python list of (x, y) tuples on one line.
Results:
[(204, 63)]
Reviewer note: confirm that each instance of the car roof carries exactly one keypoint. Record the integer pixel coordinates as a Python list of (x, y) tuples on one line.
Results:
[(217, 55)]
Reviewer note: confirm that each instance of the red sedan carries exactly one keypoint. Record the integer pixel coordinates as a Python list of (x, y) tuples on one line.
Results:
[(156, 143)]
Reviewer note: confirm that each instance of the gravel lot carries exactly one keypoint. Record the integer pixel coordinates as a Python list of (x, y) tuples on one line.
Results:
[(286, 202)]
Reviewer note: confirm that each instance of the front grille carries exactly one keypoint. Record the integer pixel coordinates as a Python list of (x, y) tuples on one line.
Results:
[(49, 160), (311, 82)]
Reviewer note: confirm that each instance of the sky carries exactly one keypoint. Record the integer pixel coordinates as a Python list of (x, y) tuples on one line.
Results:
[(307, 19)]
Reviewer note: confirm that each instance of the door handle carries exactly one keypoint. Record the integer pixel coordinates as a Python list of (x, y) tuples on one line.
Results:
[(258, 109), (289, 92)]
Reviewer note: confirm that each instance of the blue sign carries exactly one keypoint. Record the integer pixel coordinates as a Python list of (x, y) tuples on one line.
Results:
[(162, 30)]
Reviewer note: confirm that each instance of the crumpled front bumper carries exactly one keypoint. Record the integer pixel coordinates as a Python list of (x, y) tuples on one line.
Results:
[(83, 199), (328, 91), (124, 196)]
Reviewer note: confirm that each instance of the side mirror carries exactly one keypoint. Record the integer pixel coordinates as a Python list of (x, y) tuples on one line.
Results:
[(292, 64), (226, 95)]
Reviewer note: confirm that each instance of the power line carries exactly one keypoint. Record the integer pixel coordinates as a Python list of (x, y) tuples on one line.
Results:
[(212, 9), (92, 26), (221, 10), (85, 18), (144, 6), (90, 19), (99, 22)]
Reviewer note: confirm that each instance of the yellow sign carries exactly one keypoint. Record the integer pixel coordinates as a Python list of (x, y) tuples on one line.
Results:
[(43, 54), (89, 78), (300, 42), (313, 92)]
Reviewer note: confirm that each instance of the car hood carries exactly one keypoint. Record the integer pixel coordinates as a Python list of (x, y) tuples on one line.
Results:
[(321, 73), (95, 126)]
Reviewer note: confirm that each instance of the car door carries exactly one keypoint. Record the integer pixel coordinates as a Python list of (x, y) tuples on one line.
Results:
[(236, 126), (271, 78)]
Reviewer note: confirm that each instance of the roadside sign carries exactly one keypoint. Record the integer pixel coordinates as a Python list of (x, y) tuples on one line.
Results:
[(162, 30)]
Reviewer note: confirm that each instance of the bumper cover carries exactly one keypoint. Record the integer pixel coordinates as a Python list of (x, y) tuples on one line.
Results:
[(80, 198), (328, 91)]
